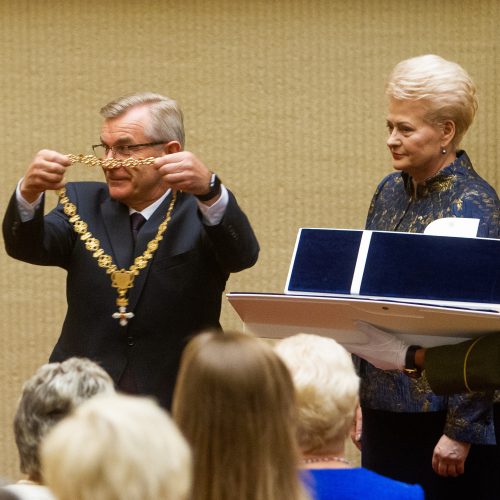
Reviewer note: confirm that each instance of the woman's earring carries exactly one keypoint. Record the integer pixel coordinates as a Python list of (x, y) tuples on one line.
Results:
[(443, 151)]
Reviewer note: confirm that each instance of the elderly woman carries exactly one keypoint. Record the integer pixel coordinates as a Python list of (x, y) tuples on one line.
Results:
[(49, 395), (234, 401), (326, 388), (117, 447), (409, 433)]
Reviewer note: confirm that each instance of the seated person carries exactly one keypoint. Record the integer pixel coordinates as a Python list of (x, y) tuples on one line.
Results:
[(49, 395), (234, 402), (327, 387), (117, 447)]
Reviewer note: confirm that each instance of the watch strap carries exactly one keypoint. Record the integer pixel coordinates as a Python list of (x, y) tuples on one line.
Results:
[(411, 369), (213, 189)]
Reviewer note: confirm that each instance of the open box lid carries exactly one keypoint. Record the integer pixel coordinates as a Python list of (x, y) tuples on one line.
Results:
[(429, 290), (408, 267)]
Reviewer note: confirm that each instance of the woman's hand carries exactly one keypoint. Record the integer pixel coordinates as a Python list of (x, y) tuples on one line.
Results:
[(449, 457)]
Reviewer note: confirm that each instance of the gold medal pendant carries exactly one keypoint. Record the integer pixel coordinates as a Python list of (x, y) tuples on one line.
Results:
[(121, 279)]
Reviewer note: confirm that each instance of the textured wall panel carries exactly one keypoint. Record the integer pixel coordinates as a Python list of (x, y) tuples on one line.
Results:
[(283, 98)]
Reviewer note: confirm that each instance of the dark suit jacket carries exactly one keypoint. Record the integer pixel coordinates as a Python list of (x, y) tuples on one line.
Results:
[(178, 294), (444, 365)]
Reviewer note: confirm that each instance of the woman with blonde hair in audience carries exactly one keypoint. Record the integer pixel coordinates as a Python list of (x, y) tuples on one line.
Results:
[(234, 401), (117, 448), (326, 388)]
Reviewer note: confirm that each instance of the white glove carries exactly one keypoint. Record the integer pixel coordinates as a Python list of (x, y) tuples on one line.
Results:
[(383, 350)]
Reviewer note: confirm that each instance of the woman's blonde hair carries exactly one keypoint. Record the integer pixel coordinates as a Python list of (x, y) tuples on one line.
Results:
[(114, 448), (326, 387), (234, 401), (446, 88)]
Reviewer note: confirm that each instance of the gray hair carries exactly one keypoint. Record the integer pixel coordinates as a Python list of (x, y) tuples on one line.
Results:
[(48, 396), (166, 115), (444, 86)]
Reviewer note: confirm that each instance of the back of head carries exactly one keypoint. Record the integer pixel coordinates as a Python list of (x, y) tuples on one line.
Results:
[(117, 447), (444, 87), (49, 395), (326, 387), (234, 401), (166, 116)]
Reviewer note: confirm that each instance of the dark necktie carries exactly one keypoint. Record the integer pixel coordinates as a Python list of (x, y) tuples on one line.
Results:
[(136, 222)]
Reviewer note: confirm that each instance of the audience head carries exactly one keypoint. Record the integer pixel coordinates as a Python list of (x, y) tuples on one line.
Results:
[(48, 396), (443, 87), (234, 401), (326, 388), (117, 447)]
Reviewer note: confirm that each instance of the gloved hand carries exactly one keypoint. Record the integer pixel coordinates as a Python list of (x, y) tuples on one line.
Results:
[(383, 350)]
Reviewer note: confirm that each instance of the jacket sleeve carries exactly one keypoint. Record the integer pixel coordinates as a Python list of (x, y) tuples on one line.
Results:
[(43, 240), (468, 366), (470, 418), (233, 239)]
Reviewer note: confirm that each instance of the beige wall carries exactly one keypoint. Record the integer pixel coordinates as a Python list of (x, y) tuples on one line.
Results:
[(283, 98)]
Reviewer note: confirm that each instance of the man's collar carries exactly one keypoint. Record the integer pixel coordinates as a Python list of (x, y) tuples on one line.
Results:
[(150, 209)]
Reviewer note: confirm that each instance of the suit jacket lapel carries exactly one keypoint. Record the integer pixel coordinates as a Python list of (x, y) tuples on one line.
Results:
[(117, 222)]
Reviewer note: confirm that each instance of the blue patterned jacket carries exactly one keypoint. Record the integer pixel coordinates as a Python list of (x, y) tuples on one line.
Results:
[(456, 191)]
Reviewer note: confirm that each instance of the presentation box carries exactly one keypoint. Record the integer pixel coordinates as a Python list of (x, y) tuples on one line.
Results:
[(428, 290), (403, 266), (276, 316)]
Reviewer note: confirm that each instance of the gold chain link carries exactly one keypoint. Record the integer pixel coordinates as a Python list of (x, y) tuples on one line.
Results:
[(93, 244), (110, 163), (121, 279)]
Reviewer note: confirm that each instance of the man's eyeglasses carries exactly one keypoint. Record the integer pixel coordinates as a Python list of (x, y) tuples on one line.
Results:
[(123, 150)]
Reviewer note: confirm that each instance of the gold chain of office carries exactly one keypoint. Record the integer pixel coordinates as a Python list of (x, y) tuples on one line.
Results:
[(110, 163), (121, 279)]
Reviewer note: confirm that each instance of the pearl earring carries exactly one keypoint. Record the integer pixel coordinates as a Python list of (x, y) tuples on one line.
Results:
[(443, 151)]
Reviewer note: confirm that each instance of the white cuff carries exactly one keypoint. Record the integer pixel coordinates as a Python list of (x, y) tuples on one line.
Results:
[(213, 214), (26, 210)]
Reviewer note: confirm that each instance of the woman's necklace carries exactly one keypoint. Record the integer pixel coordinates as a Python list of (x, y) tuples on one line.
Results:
[(314, 460), (121, 279)]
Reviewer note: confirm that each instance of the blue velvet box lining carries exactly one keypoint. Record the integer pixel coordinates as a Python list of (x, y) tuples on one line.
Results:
[(402, 265)]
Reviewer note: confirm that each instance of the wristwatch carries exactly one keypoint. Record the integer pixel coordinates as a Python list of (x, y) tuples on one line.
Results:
[(411, 369), (213, 189)]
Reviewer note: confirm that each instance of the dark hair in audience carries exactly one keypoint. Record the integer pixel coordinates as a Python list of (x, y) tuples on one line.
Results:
[(234, 401)]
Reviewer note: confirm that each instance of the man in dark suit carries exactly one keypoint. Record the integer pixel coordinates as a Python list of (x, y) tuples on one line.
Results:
[(136, 330)]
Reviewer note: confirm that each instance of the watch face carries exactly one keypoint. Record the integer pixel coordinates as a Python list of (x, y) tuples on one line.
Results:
[(213, 180)]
